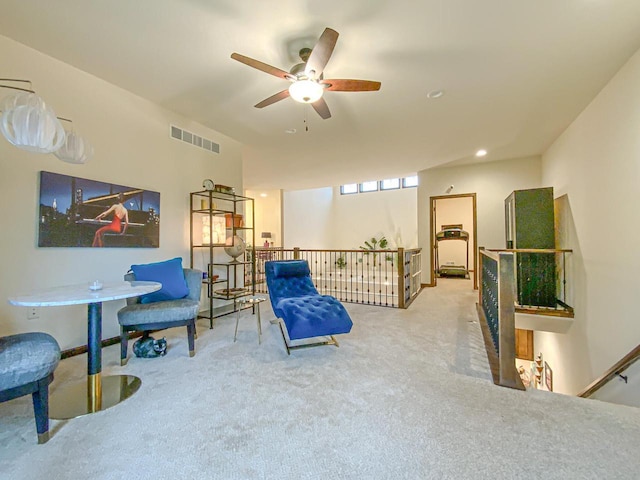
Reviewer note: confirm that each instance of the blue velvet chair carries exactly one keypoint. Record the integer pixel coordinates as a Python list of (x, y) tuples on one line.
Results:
[(137, 316), (27, 362), (304, 312)]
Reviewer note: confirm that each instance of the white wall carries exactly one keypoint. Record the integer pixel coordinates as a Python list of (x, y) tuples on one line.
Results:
[(268, 215), (323, 218), (133, 148), (308, 218), (358, 217), (619, 391), (596, 164), (492, 182)]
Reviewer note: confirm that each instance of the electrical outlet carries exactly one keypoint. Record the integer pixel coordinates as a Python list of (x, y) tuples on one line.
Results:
[(33, 312)]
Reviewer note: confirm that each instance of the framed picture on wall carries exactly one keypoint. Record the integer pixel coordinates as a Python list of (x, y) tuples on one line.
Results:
[(548, 377), (76, 212)]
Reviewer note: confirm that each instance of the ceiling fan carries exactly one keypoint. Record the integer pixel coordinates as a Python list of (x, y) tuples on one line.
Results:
[(307, 82)]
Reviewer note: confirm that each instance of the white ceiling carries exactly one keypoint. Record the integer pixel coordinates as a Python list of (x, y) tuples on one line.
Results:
[(515, 73)]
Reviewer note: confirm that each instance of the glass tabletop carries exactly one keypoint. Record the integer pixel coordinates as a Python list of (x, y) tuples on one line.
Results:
[(251, 299)]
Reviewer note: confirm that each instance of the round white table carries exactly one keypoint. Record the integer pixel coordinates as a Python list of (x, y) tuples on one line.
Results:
[(70, 401)]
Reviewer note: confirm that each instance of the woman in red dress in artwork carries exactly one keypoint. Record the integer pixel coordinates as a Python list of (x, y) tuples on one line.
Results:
[(119, 213)]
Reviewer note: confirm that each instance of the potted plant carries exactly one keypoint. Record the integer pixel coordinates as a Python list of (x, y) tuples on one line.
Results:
[(374, 244)]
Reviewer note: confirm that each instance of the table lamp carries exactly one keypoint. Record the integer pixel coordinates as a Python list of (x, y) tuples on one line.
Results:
[(266, 236)]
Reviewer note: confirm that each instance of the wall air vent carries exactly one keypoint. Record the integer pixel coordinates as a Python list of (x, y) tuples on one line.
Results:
[(193, 139)]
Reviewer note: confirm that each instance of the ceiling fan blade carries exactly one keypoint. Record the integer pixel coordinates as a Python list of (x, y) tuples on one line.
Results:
[(347, 85), (322, 108), (321, 53), (273, 99), (261, 66)]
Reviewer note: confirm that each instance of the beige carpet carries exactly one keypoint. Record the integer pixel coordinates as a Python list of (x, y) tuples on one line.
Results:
[(407, 395)]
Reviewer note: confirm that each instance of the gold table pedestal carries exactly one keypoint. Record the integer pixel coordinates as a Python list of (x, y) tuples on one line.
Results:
[(96, 394)]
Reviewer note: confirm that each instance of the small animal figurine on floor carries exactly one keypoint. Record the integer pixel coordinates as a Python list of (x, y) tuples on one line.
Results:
[(148, 347)]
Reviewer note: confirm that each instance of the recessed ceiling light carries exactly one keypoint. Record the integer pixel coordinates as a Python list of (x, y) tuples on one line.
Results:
[(290, 130), (481, 153), (435, 94), (263, 195)]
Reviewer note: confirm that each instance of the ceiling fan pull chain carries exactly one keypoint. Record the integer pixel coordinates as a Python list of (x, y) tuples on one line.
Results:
[(306, 124)]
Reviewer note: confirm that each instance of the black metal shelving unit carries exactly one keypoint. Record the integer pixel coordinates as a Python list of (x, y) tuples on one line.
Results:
[(236, 279)]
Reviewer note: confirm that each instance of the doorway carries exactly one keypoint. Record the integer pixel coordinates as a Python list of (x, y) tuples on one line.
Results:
[(456, 213)]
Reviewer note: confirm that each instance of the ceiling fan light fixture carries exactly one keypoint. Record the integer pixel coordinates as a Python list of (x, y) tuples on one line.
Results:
[(306, 91), (75, 149), (308, 82), (30, 124)]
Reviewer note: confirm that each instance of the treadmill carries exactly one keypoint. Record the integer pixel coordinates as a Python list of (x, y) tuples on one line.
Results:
[(452, 232)]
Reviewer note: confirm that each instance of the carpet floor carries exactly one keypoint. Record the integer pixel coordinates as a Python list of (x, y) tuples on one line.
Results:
[(408, 395)]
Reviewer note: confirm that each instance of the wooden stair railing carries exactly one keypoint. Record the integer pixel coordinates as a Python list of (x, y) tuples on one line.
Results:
[(496, 313), (624, 363), (382, 277), (561, 308)]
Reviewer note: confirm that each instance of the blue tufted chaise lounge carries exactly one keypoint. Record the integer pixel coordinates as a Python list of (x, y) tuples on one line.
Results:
[(304, 312), (27, 362), (162, 314)]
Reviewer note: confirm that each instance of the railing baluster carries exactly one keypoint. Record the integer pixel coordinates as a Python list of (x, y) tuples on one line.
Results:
[(393, 276), (351, 260), (345, 280), (367, 278), (386, 283), (565, 297), (380, 276), (372, 282), (338, 276), (358, 280)]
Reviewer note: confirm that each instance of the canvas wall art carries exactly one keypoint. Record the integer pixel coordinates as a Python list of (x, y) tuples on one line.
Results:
[(76, 212)]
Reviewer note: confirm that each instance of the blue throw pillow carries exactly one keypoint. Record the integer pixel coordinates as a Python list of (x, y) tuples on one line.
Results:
[(290, 268), (169, 273)]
